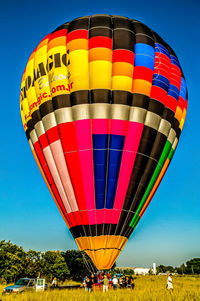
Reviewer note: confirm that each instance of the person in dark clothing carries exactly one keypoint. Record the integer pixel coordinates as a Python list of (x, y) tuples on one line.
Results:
[(88, 284)]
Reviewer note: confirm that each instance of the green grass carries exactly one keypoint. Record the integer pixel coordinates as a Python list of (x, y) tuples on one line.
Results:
[(146, 289)]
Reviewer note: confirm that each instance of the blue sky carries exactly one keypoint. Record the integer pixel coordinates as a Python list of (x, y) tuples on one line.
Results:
[(169, 231)]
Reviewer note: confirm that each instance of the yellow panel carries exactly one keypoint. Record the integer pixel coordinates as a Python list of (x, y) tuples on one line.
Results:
[(122, 68), (182, 119), (141, 86), (77, 44), (122, 83), (58, 76), (33, 102), (42, 81), (78, 69), (100, 74)]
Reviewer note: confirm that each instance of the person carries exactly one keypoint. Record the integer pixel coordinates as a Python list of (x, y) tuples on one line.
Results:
[(132, 283), (120, 282), (115, 281), (105, 283), (88, 284), (124, 281), (84, 283), (169, 282), (54, 282)]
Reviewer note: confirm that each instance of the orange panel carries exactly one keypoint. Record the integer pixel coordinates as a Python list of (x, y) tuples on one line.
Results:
[(103, 54), (77, 44), (60, 41), (122, 68)]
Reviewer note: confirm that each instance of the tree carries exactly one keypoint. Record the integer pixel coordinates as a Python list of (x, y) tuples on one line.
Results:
[(33, 264), (54, 265), (12, 260), (193, 266), (165, 269), (78, 265)]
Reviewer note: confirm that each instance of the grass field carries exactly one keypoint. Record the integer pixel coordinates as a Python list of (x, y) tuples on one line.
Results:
[(146, 288)]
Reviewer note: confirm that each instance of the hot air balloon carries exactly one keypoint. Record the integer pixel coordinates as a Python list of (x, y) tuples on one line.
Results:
[(103, 102)]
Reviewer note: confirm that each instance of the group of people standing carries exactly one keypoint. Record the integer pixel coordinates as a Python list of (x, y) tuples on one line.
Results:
[(105, 281)]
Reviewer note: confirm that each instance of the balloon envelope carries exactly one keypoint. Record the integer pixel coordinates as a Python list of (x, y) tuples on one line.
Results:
[(103, 102)]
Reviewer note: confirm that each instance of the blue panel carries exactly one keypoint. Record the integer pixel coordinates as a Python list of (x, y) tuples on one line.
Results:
[(115, 156), (144, 61), (99, 170), (100, 141), (144, 49), (173, 91), (160, 48), (116, 142), (183, 88), (175, 61), (160, 81), (100, 156), (100, 152)]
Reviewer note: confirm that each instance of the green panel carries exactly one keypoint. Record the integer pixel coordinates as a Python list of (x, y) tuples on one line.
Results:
[(166, 151)]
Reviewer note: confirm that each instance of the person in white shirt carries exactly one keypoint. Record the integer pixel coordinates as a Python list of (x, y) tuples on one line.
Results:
[(114, 282), (169, 282)]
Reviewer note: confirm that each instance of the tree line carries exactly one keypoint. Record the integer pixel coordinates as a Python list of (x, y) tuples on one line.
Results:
[(192, 266), (16, 263)]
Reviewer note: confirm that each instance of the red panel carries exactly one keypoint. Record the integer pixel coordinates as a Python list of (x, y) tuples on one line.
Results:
[(49, 178), (77, 34), (122, 55), (143, 73), (59, 33), (100, 42), (158, 94), (181, 102), (67, 136), (74, 218), (161, 57), (43, 141), (70, 149), (171, 103), (53, 134)]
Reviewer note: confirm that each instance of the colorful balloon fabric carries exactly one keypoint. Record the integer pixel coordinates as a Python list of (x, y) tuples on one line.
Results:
[(103, 102)]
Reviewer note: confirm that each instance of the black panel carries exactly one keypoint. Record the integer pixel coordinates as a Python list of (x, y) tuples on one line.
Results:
[(63, 26), (79, 97), (100, 31), (27, 134), (80, 23), (123, 39), (61, 101), (122, 97), (175, 126), (158, 146), (122, 22), (156, 107), (100, 20), (168, 115), (46, 108), (100, 96), (143, 34), (140, 100), (36, 116), (30, 125)]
